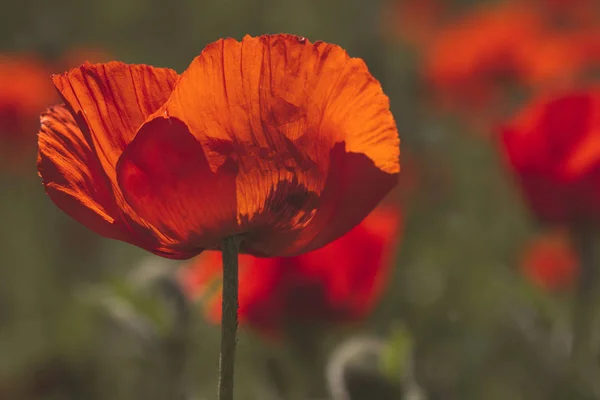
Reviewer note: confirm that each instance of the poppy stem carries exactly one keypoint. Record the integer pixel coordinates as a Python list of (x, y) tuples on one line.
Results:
[(229, 321), (586, 314)]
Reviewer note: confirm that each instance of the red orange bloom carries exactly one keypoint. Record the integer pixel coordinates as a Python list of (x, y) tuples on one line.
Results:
[(553, 147), (482, 49), (287, 143), (551, 261), (474, 60), (340, 282), (25, 91)]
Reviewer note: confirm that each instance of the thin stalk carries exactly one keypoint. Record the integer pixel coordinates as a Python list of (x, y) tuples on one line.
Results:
[(229, 319)]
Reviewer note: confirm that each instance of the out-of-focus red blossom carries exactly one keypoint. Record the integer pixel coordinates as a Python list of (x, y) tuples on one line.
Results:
[(562, 59), (474, 61), (481, 50), (286, 143), (25, 91), (553, 148), (551, 262), (339, 283)]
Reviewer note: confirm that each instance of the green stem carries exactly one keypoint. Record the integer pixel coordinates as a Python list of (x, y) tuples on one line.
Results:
[(229, 319)]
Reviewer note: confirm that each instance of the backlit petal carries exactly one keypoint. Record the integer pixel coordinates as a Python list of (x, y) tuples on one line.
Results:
[(167, 179), (76, 182), (352, 177), (113, 100), (73, 177), (276, 106)]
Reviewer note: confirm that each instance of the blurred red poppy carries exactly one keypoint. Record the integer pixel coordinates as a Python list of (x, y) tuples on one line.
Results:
[(551, 262), (476, 62), (25, 91), (553, 148), (562, 59), (480, 51), (338, 283), (284, 142)]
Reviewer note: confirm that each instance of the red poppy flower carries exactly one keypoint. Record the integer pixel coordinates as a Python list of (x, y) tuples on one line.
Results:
[(562, 59), (25, 91), (338, 283), (553, 147), (551, 262), (287, 143), (476, 63), (481, 51)]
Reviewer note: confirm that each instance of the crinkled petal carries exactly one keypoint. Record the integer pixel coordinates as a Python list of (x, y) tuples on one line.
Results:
[(110, 102), (73, 176), (276, 106), (76, 182), (113, 100), (166, 178), (354, 186)]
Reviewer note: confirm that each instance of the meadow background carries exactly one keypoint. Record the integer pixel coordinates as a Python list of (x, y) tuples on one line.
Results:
[(83, 317)]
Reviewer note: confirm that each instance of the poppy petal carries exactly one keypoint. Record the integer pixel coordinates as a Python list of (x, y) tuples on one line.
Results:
[(276, 106), (263, 90), (351, 176), (165, 176), (76, 182), (355, 177), (113, 100), (365, 254), (73, 177)]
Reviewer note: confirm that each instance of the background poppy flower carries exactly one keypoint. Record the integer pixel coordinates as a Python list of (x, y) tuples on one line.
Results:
[(550, 261), (553, 148), (25, 91), (558, 60), (479, 61), (471, 58), (283, 141), (338, 283)]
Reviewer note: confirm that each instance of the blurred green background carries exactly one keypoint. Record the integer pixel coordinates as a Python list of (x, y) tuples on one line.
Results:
[(82, 317)]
